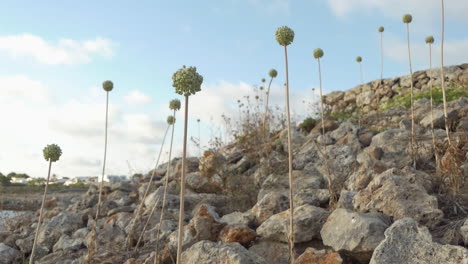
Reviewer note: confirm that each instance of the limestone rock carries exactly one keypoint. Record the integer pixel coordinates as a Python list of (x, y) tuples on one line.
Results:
[(406, 242), (237, 233), (8, 254), (314, 256)]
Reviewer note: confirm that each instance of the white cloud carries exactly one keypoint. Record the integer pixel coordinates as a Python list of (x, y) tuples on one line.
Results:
[(77, 126), (422, 9), (455, 51), (136, 97), (65, 51)]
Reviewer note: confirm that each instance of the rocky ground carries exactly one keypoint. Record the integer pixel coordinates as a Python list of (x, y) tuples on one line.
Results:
[(358, 199)]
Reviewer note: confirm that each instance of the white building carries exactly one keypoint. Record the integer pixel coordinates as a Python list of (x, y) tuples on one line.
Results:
[(20, 180)]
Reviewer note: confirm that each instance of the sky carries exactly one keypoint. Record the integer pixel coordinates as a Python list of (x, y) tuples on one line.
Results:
[(54, 56)]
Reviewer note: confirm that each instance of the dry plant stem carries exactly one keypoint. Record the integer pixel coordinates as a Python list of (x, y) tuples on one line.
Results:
[(266, 125), (33, 252), (142, 202), (291, 191), (182, 187), (381, 57), (329, 173), (442, 75), (321, 97), (146, 224), (166, 183), (432, 109), (413, 143), (104, 161)]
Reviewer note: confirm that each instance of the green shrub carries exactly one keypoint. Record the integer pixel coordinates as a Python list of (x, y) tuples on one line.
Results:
[(308, 124), (341, 116), (405, 100)]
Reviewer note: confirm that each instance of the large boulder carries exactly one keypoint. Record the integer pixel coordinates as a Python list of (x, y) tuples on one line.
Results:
[(227, 253), (272, 203), (333, 97), (64, 223), (273, 251), (355, 234), (399, 195), (204, 183), (8, 254), (308, 220), (406, 242), (439, 118)]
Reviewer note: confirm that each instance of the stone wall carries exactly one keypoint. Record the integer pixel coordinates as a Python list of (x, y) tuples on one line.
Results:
[(367, 97)]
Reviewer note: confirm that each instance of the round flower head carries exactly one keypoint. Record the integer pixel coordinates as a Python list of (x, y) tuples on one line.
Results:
[(263, 80), (174, 104), (430, 40), (318, 53), (256, 97), (198, 120), (381, 29), (52, 152), (261, 88), (273, 73), (407, 19), (358, 59), (108, 86), (284, 35), (170, 120), (187, 81)]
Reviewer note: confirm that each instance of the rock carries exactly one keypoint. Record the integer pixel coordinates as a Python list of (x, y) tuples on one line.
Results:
[(462, 125), (394, 144), (399, 195), (314, 256), (167, 227), (308, 221), (365, 138), (346, 200), (333, 97), (204, 183), (406, 242), (237, 233), (439, 118), (25, 244), (211, 252), (67, 243), (123, 186), (329, 125), (64, 223), (315, 197), (272, 251), (297, 139), (355, 234), (238, 218), (8, 254), (212, 163), (272, 203), (206, 223)]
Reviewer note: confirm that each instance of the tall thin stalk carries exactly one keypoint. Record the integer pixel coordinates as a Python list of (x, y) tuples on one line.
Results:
[(381, 31), (199, 138), (52, 153), (166, 183), (107, 86), (273, 73), (142, 201), (442, 74), (186, 81), (318, 53), (407, 20), (430, 41), (285, 36)]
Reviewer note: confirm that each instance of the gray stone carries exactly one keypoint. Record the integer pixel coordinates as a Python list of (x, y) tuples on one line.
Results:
[(67, 243), (353, 233), (227, 253), (406, 242), (272, 251), (308, 221), (8, 254)]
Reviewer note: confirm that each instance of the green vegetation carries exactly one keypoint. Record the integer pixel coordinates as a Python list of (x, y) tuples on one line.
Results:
[(405, 100), (308, 124)]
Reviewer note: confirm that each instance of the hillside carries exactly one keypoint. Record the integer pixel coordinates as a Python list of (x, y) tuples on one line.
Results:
[(361, 193)]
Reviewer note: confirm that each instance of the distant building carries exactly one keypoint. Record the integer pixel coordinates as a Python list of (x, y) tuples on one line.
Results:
[(20, 180), (116, 178)]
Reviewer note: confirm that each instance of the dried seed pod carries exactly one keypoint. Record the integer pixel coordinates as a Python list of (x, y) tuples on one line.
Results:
[(187, 81), (381, 29), (284, 35), (174, 104), (108, 86), (318, 53), (52, 152), (430, 40), (359, 59), (407, 19), (170, 120), (273, 73)]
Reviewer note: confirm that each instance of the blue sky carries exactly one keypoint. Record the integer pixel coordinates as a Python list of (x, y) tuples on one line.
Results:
[(54, 56)]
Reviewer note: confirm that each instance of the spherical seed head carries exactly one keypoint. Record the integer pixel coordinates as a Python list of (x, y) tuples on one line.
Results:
[(187, 81), (358, 59), (284, 35), (108, 86), (52, 152), (198, 120), (174, 104), (430, 40), (256, 97), (381, 29), (170, 120), (263, 80), (407, 19), (318, 53), (273, 73), (261, 88)]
